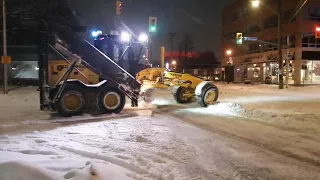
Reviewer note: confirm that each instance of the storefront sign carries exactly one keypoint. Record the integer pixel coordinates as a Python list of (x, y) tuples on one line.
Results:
[(269, 57)]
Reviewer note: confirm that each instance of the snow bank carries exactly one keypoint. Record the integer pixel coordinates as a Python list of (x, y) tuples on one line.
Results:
[(302, 122), (27, 171), (18, 170)]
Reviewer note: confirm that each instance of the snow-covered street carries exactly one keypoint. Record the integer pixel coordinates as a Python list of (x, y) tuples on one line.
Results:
[(255, 132)]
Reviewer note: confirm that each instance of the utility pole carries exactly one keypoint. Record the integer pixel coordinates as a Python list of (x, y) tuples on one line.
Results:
[(171, 36), (280, 61), (287, 62), (5, 65)]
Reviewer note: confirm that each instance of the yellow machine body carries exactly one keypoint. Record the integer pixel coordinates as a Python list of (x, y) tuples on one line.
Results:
[(56, 68), (161, 78)]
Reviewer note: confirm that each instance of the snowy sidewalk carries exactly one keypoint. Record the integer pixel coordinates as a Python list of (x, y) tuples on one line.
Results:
[(21, 104)]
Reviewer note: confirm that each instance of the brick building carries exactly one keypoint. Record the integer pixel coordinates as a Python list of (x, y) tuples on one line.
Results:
[(256, 60)]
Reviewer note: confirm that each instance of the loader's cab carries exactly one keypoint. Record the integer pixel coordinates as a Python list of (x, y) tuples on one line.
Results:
[(110, 45), (131, 56)]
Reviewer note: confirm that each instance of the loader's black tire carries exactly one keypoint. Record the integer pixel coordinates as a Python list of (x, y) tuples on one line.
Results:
[(178, 92), (111, 100), (207, 89), (71, 102)]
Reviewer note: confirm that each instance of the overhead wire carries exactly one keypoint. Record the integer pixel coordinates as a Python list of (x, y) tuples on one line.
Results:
[(297, 9)]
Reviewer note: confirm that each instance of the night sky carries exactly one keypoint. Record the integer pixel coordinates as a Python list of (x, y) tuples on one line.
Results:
[(201, 18)]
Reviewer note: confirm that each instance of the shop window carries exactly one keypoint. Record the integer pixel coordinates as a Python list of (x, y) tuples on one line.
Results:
[(272, 47), (310, 41), (245, 73), (274, 69), (292, 41), (256, 72)]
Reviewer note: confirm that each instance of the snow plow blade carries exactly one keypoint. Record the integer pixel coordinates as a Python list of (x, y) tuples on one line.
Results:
[(76, 47)]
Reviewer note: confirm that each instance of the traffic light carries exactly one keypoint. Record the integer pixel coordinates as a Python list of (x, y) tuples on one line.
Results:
[(317, 32), (239, 38), (118, 8), (152, 24)]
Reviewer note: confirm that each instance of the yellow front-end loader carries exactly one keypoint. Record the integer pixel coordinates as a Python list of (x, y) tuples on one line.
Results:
[(185, 86)]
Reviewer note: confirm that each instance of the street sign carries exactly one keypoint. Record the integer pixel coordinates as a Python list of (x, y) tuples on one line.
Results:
[(250, 38)]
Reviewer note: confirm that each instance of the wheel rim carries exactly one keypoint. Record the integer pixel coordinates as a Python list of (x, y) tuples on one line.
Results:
[(111, 100), (72, 102), (182, 94), (210, 96)]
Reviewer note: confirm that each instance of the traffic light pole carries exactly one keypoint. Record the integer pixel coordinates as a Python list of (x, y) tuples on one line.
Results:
[(280, 60), (287, 62), (150, 48), (5, 65)]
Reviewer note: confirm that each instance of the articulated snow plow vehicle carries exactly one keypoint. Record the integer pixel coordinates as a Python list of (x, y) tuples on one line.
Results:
[(185, 86), (71, 97)]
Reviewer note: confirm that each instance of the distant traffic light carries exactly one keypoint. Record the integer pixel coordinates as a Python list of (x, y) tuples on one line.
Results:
[(317, 32), (239, 38), (152, 24), (118, 8)]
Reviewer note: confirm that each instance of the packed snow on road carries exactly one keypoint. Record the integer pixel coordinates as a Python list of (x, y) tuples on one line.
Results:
[(254, 132)]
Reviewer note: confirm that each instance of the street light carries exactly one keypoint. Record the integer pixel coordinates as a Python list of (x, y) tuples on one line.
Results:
[(228, 52), (256, 4), (167, 65), (96, 33), (125, 36), (174, 62), (143, 38)]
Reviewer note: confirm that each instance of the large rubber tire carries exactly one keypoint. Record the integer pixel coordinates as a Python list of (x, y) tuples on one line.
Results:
[(111, 100), (71, 102), (202, 98), (178, 92)]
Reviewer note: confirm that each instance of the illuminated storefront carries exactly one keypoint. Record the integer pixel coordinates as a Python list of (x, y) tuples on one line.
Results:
[(259, 67)]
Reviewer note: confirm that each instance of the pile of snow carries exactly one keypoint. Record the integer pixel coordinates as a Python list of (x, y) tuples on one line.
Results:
[(15, 170), (304, 122)]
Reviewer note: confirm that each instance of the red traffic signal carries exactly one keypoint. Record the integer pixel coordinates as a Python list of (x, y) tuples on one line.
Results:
[(317, 32)]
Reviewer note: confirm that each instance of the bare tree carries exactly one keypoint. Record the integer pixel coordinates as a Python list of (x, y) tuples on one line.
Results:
[(186, 44), (17, 68)]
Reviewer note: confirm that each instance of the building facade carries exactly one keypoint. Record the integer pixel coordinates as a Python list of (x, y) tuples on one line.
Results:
[(257, 60)]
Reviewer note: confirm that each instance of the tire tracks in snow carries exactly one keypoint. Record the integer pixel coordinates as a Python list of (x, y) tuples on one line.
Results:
[(262, 145), (238, 173)]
